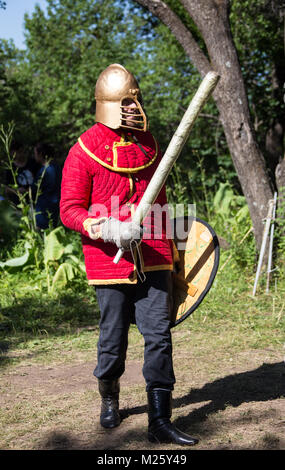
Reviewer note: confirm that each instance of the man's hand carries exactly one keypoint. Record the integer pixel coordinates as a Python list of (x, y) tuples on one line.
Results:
[(121, 233)]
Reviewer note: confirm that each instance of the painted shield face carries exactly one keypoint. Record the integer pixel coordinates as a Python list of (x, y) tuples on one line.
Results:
[(196, 267)]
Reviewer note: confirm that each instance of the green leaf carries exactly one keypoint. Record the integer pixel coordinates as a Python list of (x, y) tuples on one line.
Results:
[(65, 273), (79, 264), (242, 214), (17, 262), (68, 249), (53, 249)]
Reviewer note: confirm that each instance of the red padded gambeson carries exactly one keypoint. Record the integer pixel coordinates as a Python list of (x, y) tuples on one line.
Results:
[(106, 173)]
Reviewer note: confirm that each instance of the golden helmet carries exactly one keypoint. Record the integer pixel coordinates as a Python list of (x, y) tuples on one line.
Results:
[(115, 89)]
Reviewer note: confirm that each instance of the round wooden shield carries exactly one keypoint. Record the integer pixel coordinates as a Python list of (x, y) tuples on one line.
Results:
[(197, 260)]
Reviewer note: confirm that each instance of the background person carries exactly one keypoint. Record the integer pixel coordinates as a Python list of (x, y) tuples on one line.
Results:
[(46, 187), (24, 169)]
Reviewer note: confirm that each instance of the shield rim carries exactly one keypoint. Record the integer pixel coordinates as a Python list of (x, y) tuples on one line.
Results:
[(213, 273)]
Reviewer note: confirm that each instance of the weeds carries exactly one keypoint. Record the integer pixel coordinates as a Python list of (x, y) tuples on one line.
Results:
[(52, 257)]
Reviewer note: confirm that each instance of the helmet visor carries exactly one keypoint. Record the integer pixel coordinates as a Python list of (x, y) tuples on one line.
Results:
[(132, 114)]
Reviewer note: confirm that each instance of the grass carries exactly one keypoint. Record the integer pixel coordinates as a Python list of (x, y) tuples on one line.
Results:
[(27, 308), (45, 327)]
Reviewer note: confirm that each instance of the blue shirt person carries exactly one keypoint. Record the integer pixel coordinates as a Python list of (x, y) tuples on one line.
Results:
[(47, 187)]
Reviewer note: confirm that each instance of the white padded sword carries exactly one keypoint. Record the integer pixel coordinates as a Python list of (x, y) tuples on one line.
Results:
[(173, 150)]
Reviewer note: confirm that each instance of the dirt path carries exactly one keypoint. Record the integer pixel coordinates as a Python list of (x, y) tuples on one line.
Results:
[(240, 407)]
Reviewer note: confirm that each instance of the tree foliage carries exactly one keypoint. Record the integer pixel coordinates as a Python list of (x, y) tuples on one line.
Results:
[(258, 29), (48, 89), (66, 51)]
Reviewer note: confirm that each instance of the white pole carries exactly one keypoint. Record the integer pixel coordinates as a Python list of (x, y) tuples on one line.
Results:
[(263, 244), (269, 265), (173, 150)]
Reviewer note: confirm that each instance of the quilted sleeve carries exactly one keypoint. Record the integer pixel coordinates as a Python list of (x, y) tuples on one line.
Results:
[(76, 188)]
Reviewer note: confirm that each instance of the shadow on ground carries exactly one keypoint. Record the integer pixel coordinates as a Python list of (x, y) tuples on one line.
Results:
[(265, 383)]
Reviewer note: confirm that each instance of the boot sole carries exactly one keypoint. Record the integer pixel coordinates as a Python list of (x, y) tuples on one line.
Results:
[(110, 426), (155, 440)]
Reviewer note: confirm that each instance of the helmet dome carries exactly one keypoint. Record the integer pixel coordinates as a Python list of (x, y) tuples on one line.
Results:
[(114, 85)]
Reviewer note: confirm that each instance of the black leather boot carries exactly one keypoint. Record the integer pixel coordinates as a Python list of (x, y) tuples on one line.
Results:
[(109, 391), (160, 428)]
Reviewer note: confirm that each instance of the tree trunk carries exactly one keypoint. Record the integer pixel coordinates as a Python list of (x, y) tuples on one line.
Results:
[(212, 19), (274, 141), (280, 183)]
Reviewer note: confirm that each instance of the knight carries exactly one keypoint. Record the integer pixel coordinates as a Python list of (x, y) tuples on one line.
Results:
[(104, 178)]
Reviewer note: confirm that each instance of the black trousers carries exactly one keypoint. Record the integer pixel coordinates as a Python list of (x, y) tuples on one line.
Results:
[(149, 303)]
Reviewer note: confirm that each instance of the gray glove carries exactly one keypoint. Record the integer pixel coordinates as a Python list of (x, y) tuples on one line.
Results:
[(121, 233)]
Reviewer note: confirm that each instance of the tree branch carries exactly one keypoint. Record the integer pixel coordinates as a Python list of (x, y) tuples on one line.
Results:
[(181, 33)]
